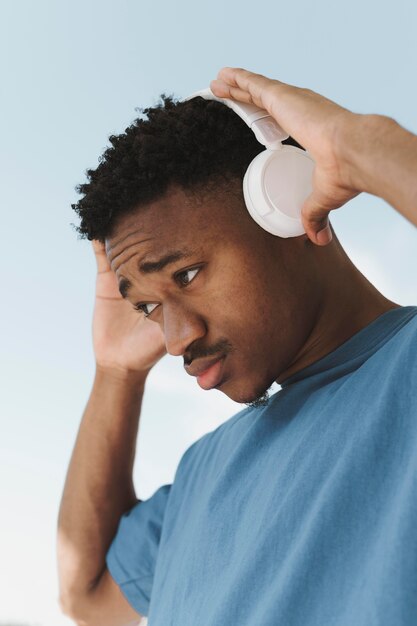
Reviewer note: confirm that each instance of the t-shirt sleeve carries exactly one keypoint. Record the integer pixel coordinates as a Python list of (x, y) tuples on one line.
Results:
[(132, 555)]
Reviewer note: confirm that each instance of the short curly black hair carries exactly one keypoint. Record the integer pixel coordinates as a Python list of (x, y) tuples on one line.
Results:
[(189, 143)]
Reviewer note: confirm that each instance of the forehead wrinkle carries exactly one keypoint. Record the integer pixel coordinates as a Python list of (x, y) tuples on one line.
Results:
[(129, 234), (111, 247), (127, 248)]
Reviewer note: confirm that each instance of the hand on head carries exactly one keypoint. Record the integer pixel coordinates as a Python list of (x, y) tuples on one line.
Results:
[(318, 124)]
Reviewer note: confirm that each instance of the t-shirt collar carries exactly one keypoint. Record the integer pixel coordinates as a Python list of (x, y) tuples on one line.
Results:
[(357, 349)]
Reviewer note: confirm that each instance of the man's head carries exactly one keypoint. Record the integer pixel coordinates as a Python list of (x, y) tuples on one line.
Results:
[(167, 201)]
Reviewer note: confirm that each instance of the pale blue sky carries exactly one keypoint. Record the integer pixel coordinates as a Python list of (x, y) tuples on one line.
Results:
[(73, 73)]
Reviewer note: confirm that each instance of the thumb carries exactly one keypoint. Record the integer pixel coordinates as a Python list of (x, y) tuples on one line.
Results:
[(316, 220)]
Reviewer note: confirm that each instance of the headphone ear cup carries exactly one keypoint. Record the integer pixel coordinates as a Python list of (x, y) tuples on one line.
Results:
[(275, 186)]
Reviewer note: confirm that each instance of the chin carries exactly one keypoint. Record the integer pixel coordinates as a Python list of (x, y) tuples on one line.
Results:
[(253, 395)]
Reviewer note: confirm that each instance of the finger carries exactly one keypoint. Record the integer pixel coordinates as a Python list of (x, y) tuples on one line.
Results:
[(103, 264), (223, 90), (316, 221), (243, 83), (290, 106), (302, 113)]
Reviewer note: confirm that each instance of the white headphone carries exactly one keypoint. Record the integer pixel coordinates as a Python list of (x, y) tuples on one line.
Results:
[(279, 179)]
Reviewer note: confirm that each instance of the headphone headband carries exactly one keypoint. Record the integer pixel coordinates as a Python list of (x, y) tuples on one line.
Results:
[(266, 129)]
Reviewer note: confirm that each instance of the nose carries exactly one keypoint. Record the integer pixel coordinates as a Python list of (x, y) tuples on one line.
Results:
[(181, 327)]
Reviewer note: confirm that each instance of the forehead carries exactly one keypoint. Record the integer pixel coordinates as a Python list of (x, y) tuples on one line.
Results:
[(179, 220)]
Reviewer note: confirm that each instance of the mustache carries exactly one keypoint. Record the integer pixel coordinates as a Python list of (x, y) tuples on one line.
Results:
[(197, 352)]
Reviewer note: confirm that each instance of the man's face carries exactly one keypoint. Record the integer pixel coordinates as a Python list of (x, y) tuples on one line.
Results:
[(234, 301)]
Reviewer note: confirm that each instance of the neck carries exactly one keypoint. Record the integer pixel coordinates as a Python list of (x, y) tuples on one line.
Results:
[(349, 303)]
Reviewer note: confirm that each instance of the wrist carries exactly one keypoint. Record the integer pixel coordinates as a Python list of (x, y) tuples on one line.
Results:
[(118, 375), (364, 145)]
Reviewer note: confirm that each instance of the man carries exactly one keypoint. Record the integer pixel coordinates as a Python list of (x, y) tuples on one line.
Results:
[(301, 509)]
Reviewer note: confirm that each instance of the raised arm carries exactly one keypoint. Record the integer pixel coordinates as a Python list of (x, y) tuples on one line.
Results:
[(99, 485)]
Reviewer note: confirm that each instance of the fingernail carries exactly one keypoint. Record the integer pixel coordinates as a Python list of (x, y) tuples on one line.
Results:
[(324, 236)]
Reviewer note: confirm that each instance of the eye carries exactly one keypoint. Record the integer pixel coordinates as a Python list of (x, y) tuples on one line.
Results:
[(183, 278), (186, 276), (145, 308)]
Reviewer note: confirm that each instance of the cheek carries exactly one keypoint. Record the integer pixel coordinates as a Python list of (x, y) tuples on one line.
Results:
[(240, 302), (240, 299), (244, 318), (260, 324)]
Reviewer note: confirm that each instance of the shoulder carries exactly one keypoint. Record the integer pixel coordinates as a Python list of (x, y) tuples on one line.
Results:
[(205, 447)]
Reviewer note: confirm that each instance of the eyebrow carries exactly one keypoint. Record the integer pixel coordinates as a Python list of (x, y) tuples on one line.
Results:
[(150, 267)]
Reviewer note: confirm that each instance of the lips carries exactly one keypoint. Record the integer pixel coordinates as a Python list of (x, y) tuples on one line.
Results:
[(198, 366), (208, 371)]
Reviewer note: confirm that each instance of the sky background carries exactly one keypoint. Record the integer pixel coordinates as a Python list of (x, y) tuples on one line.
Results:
[(72, 73)]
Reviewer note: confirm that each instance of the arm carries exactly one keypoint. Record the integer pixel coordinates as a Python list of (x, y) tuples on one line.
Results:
[(352, 152), (99, 484), (98, 490), (382, 160)]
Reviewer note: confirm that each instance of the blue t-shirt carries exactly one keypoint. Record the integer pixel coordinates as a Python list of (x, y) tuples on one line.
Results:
[(301, 513)]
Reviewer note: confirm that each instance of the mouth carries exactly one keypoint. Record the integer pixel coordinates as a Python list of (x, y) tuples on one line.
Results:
[(209, 372)]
